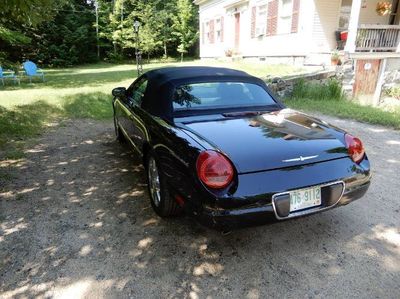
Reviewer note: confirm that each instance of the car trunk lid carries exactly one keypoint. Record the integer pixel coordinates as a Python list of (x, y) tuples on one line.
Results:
[(272, 140)]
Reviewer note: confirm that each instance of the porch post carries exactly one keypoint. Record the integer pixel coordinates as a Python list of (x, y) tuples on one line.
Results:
[(353, 26)]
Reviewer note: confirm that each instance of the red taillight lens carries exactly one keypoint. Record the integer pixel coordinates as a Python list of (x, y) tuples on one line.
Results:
[(355, 148), (214, 169)]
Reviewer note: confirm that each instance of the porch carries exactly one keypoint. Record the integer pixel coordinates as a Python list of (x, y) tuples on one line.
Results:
[(370, 30), (377, 38)]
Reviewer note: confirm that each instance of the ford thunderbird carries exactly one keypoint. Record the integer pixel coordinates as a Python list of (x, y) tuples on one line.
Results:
[(217, 144)]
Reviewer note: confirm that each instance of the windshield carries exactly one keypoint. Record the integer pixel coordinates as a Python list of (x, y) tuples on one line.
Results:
[(217, 95)]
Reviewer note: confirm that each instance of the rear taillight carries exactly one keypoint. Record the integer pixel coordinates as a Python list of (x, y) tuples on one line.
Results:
[(214, 169), (355, 148)]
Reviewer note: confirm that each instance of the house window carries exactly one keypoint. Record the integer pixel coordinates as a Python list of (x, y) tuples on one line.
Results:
[(261, 20), (207, 32), (285, 16), (218, 29)]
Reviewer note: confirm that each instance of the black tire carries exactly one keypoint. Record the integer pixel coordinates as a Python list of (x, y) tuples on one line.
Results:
[(165, 205)]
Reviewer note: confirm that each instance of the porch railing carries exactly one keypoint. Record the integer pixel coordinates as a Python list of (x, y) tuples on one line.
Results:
[(378, 38)]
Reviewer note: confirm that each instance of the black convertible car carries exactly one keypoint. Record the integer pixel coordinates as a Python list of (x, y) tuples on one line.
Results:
[(219, 145)]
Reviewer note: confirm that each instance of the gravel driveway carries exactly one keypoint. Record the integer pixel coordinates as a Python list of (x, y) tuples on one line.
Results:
[(76, 222)]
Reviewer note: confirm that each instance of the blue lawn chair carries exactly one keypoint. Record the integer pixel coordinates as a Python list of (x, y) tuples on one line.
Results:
[(31, 70), (7, 74)]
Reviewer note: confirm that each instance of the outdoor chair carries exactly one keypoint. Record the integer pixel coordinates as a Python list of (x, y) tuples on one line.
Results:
[(31, 70), (8, 74)]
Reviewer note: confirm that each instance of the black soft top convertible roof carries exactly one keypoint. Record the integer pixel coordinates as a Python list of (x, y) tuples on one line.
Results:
[(191, 73), (163, 82)]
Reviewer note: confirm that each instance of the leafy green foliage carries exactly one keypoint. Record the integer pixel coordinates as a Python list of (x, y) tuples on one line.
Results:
[(62, 33), (13, 37), (183, 27), (15, 17), (393, 92), (68, 39), (31, 12)]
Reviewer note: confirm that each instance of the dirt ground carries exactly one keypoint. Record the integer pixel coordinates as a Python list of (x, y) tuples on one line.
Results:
[(76, 222)]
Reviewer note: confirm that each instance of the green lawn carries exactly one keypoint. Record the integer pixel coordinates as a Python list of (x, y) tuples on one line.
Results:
[(102, 78), (329, 99), (81, 92), (348, 109), (85, 92)]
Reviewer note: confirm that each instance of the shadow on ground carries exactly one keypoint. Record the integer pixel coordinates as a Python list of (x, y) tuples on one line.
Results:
[(76, 222)]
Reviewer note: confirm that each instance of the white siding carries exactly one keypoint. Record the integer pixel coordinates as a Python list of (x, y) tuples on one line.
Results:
[(211, 10), (326, 22), (294, 44), (318, 21)]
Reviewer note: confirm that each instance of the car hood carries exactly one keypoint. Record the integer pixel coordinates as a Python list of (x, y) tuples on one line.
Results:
[(271, 140)]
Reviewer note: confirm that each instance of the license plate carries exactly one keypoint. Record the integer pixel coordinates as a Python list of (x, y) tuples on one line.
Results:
[(305, 198)]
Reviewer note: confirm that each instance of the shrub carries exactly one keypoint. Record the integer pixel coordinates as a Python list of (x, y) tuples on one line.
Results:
[(329, 91), (393, 92)]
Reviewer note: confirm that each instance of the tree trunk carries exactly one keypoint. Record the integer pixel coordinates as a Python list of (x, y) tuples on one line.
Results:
[(165, 50), (181, 56), (148, 57)]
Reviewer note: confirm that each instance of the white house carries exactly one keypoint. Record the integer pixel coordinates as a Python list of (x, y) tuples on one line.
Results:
[(296, 31)]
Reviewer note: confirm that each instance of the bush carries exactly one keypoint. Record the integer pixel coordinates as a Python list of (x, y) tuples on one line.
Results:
[(393, 92), (330, 91)]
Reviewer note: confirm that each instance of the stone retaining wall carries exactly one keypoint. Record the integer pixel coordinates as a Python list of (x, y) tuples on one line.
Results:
[(283, 86)]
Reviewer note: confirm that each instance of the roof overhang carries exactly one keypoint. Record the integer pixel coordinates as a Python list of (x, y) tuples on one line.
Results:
[(200, 2), (230, 4), (235, 3)]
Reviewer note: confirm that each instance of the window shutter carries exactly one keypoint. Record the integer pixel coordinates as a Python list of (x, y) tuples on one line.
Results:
[(295, 16), (272, 17), (211, 31), (203, 33), (222, 29), (253, 21)]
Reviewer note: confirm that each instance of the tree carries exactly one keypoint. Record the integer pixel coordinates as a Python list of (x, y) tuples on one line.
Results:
[(31, 12), (165, 13), (69, 38), (185, 26), (15, 16)]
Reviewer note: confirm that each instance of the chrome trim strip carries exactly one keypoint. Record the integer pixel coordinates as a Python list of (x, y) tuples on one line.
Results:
[(129, 139), (301, 158), (311, 210), (130, 114)]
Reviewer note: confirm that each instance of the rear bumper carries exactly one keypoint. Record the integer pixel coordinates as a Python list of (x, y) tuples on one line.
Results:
[(228, 219)]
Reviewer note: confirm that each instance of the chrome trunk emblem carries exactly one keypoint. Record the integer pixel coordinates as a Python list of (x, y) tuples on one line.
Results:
[(301, 158)]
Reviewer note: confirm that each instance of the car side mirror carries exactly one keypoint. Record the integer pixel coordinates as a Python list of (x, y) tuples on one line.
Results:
[(119, 92)]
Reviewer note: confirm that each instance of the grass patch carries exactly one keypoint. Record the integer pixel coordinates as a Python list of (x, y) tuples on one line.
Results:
[(331, 91), (24, 121), (19, 123), (95, 105), (329, 99)]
